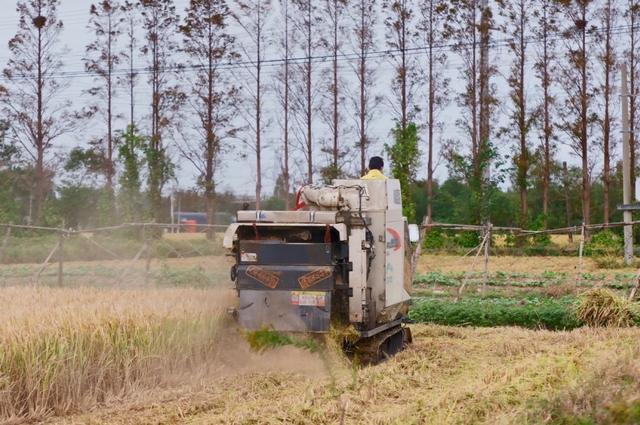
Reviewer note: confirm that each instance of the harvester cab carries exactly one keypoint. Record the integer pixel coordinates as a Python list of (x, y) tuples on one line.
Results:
[(342, 258)]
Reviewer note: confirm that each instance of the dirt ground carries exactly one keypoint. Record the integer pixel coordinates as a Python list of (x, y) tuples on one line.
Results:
[(513, 264), (110, 272), (449, 375)]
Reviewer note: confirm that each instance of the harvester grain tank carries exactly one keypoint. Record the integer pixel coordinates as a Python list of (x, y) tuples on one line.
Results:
[(343, 258)]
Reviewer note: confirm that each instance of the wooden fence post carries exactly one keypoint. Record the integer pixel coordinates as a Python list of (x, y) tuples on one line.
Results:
[(5, 242), (580, 259), (148, 253), (133, 261), (36, 277), (487, 244), (473, 262), (61, 238)]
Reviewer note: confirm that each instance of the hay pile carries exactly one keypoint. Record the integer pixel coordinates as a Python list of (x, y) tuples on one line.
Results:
[(602, 308)]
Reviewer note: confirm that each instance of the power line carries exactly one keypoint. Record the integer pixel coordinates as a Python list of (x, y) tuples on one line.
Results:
[(274, 62)]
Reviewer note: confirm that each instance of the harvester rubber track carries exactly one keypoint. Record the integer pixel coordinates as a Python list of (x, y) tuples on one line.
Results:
[(380, 347)]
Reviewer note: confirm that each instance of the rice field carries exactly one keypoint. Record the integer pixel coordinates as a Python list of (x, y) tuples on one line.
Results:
[(158, 349), (65, 350)]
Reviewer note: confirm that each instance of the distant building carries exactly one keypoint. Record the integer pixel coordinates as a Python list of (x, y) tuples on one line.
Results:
[(200, 218)]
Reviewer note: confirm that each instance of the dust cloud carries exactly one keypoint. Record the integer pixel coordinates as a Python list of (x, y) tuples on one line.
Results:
[(233, 356)]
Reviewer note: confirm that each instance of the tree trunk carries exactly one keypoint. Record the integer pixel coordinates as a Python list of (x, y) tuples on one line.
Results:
[(109, 165), (258, 110), (586, 190), (285, 172), (473, 95), (131, 73), (403, 68), (362, 70), (40, 148), (567, 203), (522, 122), (335, 88), (546, 83), (209, 185), (156, 138), (309, 104), (606, 128), (633, 87), (484, 76), (430, 123)]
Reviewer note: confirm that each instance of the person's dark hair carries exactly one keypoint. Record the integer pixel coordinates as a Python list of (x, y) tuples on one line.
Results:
[(376, 163)]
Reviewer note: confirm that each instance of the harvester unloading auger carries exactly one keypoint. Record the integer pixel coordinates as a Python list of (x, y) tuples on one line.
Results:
[(342, 258)]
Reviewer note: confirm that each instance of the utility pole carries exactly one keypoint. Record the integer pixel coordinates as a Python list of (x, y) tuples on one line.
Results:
[(567, 204), (626, 169)]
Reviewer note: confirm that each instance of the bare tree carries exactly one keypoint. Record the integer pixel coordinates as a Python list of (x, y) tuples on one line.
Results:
[(304, 94), (431, 25), (252, 17), (517, 28), (576, 80), (545, 31), (282, 89), (400, 23), (607, 17), (30, 99), (334, 11), (486, 71), (363, 15), (462, 27), (102, 59), (131, 20), (469, 24), (160, 23), (208, 45)]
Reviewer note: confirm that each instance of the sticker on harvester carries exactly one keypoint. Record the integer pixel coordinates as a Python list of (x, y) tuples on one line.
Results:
[(248, 257), (308, 298), (314, 276), (268, 278)]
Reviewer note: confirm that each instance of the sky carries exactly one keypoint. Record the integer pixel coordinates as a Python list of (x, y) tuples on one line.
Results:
[(238, 174)]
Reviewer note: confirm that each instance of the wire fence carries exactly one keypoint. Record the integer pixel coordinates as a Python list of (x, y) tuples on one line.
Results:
[(511, 260), (130, 254), (138, 254)]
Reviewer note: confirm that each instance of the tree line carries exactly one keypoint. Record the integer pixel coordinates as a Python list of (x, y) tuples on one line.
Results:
[(304, 80)]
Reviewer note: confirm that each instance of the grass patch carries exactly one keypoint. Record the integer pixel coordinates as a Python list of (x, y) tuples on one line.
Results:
[(34, 249), (265, 338), (547, 278), (194, 277)]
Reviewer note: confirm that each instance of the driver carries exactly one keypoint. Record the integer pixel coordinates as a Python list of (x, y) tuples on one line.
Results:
[(375, 169)]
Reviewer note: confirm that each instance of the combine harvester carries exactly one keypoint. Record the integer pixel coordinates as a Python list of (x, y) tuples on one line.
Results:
[(342, 258)]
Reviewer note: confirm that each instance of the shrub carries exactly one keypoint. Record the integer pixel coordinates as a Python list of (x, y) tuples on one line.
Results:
[(605, 243), (609, 261), (467, 239), (434, 239)]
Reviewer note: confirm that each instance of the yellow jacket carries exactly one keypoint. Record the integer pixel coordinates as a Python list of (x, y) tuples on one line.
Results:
[(374, 175)]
